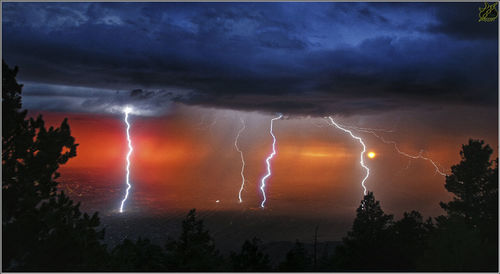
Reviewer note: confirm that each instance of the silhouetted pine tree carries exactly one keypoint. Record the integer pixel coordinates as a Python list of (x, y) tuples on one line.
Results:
[(194, 250), (297, 259), (140, 256), (251, 258), (366, 246), (42, 229), (466, 239), (408, 240)]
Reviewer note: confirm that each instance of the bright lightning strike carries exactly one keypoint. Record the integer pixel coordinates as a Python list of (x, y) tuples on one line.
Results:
[(419, 156), (263, 180), (242, 159), (127, 110), (362, 162)]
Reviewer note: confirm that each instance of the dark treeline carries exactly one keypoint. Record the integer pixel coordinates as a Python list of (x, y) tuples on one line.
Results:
[(43, 230)]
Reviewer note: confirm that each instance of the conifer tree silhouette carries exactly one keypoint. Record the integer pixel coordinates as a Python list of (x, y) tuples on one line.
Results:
[(43, 230)]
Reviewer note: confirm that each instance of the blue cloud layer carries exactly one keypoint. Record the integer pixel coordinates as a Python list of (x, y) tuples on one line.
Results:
[(303, 58)]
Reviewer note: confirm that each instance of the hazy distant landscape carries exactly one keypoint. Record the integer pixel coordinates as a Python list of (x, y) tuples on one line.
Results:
[(229, 228)]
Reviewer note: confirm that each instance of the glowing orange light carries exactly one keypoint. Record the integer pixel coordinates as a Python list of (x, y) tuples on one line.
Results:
[(371, 154)]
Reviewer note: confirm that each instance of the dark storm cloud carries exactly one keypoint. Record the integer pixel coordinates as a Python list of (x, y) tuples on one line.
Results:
[(462, 22), (82, 99), (299, 58)]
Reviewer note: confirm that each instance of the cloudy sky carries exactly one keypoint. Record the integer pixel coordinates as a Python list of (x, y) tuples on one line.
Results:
[(296, 58), (424, 73)]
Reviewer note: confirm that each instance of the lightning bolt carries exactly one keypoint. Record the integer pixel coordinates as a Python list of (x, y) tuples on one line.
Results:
[(419, 156), (127, 110), (268, 159), (242, 159), (366, 129), (361, 162)]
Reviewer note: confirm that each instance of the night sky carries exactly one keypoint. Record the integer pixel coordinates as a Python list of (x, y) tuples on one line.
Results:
[(425, 73)]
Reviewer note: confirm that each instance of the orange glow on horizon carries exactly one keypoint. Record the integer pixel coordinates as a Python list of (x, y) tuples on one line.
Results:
[(317, 154), (179, 164)]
